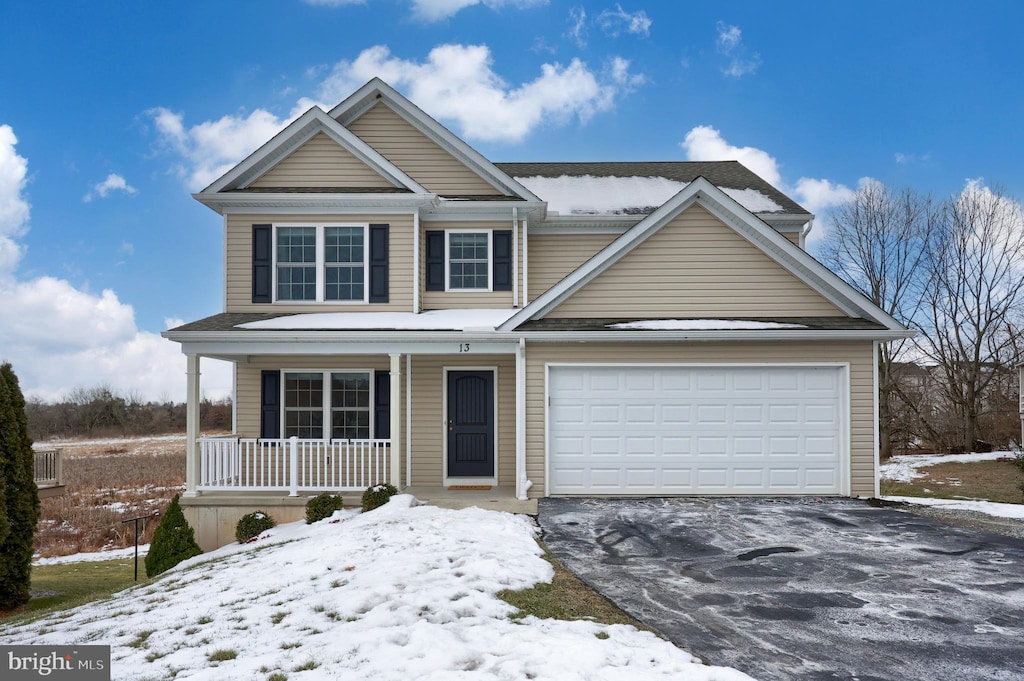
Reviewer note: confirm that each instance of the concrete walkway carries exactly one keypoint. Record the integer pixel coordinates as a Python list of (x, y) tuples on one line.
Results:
[(804, 589)]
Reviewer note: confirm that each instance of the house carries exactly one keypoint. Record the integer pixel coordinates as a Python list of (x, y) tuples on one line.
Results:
[(399, 308)]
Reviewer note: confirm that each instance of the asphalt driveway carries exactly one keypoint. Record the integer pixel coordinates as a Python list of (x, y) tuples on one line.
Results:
[(804, 588)]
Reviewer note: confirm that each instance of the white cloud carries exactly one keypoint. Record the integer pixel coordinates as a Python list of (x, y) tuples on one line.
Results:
[(730, 43), (113, 183), (457, 83), (616, 21), (14, 207), (578, 26), (705, 143), (59, 337), (210, 149), (439, 10)]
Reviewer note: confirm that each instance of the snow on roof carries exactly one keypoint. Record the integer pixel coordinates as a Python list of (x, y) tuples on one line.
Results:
[(435, 320), (701, 325), (611, 195)]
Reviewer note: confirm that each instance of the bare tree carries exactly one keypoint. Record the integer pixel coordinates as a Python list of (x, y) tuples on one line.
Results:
[(973, 300), (878, 242)]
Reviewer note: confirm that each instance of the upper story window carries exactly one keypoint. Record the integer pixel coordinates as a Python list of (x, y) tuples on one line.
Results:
[(469, 261), (317, 263)]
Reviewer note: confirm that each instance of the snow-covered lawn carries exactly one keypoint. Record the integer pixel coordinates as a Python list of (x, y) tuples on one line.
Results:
[(93, 556), (988, 507), (905, 468), (403, 592)]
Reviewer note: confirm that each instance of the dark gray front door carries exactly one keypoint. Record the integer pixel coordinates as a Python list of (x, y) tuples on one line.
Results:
[(470, 424)]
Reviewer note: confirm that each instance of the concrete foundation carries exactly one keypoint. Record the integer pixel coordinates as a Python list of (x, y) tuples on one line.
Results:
[(214, 516)]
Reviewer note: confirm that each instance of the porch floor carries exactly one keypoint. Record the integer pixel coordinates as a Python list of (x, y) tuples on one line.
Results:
[(494, 499)]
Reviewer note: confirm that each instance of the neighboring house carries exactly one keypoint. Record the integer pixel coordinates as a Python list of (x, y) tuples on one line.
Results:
[(399, 308)]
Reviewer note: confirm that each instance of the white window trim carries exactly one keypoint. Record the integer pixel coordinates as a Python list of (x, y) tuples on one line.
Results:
[(448, 260), (321, 264), (326, 408)]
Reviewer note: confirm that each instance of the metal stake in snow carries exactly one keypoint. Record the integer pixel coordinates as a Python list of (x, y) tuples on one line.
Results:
[(136, 521)]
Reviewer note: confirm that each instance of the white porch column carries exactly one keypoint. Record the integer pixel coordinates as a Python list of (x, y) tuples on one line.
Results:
[(192, 399), (396, 421), (522, 483)]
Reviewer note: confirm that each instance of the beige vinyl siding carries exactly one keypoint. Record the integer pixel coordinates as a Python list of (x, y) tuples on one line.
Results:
[(554, 256), (417, 155), (321, 162), (857, 354), (794, 237), (698, 267), (428, 426), (442, 300), (239, 263)]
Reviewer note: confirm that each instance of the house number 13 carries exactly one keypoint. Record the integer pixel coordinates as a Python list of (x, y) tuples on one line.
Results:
[(463, 347)]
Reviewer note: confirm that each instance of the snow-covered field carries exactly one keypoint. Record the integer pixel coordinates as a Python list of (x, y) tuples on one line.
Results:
[(403, 592), (905, 468)]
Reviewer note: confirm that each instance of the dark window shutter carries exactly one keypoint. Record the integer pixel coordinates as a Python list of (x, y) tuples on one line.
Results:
[(378, 263), (501, 268), (435, 260), (270, 404), (262, 264), (381, 405)]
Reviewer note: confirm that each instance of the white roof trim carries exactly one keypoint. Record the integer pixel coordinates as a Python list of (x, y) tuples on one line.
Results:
[(359, 102), (292, 137), (725, 208)]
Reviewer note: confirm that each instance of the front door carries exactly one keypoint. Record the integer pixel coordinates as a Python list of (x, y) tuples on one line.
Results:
[(471, 424)]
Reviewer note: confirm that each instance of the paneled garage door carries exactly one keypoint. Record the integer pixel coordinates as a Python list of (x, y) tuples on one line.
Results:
[(696, 430)]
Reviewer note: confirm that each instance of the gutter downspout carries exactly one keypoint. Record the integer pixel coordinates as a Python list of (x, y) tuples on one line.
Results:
[(875, 345), (526, 262), (416, 262), (515, 256), (804, 232)]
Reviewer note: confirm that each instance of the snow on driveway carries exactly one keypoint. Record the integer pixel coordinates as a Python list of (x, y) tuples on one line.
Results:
[(403, 592)]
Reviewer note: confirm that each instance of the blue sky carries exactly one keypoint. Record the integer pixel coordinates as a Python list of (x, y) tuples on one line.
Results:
[(112, 113)]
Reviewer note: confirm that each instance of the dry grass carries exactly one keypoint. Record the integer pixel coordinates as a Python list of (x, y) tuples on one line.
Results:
[(106, 484), (992, 480)]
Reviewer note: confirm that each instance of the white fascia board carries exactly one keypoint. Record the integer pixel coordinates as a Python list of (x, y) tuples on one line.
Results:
[(292, 137), (376, 89), (784, 336), (454, 211), (320, 343), (287, 202)]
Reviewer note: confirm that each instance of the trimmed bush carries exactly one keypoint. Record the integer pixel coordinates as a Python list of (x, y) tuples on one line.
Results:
[(19, 498), (322, 506), (377, 496), (251, 525), (173, 541)]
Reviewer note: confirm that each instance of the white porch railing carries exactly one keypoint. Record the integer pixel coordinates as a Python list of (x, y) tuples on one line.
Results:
[(254, 465), (49, 468)]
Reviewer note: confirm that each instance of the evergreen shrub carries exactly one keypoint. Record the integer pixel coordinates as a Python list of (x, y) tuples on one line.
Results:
[(377, 495), (251, 525), (322, 506), (173, 541), (19, 497)]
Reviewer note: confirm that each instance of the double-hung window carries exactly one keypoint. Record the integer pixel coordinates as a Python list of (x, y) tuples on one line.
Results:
[(318, 263), (327, 405), (469, 261)]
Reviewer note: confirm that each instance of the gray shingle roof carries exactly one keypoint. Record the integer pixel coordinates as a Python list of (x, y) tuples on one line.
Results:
[(731, 174)]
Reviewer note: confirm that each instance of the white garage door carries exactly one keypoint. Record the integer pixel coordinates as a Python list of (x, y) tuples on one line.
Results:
[(695, 430)]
